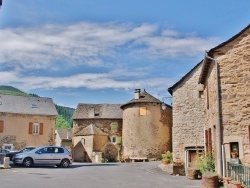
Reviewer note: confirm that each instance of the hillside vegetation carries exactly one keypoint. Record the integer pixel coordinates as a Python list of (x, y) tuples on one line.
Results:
[(9, 90), (64, 118)]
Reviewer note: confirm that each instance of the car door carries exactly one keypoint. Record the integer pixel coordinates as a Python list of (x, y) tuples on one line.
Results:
[(58, 155), (44, 156)]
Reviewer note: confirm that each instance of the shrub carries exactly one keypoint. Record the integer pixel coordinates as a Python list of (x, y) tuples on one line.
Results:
[(168, 156), (205, 163)]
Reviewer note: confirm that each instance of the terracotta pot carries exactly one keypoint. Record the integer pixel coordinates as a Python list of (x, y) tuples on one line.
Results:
[(234, 155), (211, 181), (235, 184), (227, 180), (165, 161), (192, 174)]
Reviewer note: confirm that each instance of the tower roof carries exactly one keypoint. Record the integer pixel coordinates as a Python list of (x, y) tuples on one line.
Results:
[(144, 97)]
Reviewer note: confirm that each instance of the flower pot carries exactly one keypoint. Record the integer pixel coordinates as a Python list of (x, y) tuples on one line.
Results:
[(235, 184), (227, 180), (211, 181), (165, 161), (192, 173)]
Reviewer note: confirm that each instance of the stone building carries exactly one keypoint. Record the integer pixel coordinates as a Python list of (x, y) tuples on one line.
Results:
[(146, 127), (94, 126), (26, 121), (188, 116), (225, 77), (63, 137)]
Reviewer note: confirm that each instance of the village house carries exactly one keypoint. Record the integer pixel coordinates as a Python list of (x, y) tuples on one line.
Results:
[(26, 121), (63, 137), (188, 116), (221, 103), (95, 127), (147, 127)]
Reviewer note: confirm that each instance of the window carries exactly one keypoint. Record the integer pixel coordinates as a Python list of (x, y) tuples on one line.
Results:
[(36, 128), (59, 150), (8, 146), (113, 139), (1, 126), (143, 111), (34, 106), (234, 148), (114, 126), (201, 94)]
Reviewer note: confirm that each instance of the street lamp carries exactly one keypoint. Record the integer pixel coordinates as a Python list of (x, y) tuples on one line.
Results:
[(1, 2), (163, 104)]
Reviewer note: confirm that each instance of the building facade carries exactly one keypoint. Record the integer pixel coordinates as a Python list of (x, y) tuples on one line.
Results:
[(26, 121), (188, 116), (223, 84), (146, 127), (226, 81), (95, 125)]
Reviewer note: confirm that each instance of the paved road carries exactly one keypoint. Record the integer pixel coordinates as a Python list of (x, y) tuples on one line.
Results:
[(86, 175)]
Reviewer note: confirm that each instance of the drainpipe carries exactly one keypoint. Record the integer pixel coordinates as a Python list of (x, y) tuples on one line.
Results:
[(218, 115)]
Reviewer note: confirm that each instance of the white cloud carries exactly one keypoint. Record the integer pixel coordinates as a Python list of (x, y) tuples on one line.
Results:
[(87, 43), (90, 81)]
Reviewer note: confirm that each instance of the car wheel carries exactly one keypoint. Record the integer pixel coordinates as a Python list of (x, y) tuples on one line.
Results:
[(65, 163), (27, 162)]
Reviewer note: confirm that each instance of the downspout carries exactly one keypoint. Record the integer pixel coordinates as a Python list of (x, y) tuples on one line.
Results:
[(218, 115)]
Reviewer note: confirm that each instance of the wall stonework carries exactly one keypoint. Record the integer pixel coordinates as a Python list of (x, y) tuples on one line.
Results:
[(234, 77), (146, 135), (84, 151), (188, 114)]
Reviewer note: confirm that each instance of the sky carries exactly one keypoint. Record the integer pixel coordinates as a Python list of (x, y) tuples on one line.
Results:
[(99, 51)]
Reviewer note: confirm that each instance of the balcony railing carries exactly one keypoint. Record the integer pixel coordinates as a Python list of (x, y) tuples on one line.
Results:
[(239, 172)]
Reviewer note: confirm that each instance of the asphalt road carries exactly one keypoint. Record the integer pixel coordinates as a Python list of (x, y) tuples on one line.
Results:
[(87, 175)]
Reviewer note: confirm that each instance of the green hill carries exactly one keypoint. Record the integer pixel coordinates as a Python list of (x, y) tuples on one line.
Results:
[(9, 90), (64, 118)]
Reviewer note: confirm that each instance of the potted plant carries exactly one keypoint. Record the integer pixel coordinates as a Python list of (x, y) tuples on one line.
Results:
[(234, 155), (205, 164), (167, 157)]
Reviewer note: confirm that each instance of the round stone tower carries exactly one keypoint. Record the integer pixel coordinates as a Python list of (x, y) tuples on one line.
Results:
[(146, 127)]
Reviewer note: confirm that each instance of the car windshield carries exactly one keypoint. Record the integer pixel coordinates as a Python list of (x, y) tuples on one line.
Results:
[(27, 150)]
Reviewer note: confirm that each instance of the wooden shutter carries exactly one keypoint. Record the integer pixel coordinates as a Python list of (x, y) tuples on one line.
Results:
[(41, 128), (30, 127), (1, 126)]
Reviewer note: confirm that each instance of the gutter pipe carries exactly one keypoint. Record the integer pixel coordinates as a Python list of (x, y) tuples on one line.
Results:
[(221, 162)]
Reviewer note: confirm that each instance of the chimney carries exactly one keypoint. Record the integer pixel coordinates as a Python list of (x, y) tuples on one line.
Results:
[(137, 93)]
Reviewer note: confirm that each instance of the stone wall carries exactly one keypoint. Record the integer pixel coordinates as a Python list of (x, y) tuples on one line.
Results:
[(234, 74), (188, 114), (148, 135)]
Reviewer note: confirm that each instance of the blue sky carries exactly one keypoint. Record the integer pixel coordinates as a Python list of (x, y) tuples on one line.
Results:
[(99, 51)]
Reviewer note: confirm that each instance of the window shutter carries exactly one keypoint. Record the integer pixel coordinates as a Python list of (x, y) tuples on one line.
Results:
[(30, 127), (41, 128), (1, 126)]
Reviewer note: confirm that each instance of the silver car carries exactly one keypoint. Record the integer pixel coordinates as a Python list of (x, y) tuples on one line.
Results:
[(46, 155)]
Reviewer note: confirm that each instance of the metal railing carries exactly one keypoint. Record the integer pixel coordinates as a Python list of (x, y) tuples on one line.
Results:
[(239, 172)]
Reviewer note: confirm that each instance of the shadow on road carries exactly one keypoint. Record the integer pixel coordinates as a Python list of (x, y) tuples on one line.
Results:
[(74, 165)]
